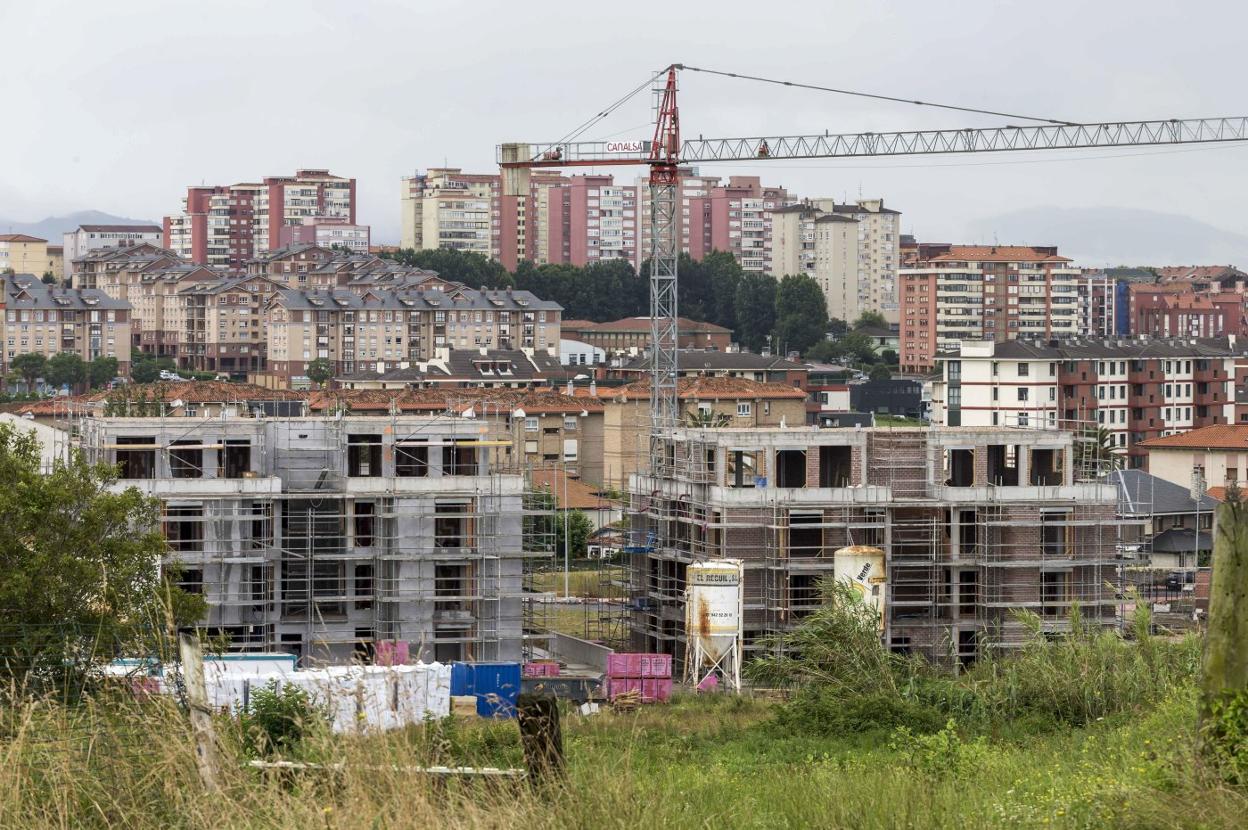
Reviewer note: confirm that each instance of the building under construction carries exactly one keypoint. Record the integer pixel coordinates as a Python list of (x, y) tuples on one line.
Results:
[(975, 523), (322, 536)]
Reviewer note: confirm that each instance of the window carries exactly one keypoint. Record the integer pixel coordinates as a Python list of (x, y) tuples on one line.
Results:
[(1232, 474), (411, 461), (363, 455), (569, 423), (1024, 370), (744, 409), (365, 527), (742, 468), (530, 425), (1022, 393)]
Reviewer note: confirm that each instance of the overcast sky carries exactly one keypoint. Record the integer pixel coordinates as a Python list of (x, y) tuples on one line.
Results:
[(119, 106)]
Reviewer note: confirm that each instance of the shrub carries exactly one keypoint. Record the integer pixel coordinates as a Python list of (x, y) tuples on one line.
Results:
[(816, 710), (943, 753), (278, 719)]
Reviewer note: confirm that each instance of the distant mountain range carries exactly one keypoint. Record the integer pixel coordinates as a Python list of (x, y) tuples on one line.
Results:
[(1115, 236), (52, 227)]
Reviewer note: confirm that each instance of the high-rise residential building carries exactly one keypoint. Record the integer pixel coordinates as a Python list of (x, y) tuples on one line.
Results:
[(22, 253), (595, 220), (226, 225), (445, 207), (1180, 309), (87, 238), (957, 293), (856, 276), (824, 246)]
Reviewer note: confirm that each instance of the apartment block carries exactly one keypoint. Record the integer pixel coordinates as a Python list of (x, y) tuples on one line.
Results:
[(879, 253), (595, 221), (632, 335), (388, 328), (227, 225), (327, 233), (973, 525), (1134, 389), (824, 247), (21, 253), (322, 536), (1182, 309), (104, 267), (47, 320), (86, 238), (223, 322), (957, 293)]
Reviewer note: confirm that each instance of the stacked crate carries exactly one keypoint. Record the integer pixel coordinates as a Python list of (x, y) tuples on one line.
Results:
[(650, 675)]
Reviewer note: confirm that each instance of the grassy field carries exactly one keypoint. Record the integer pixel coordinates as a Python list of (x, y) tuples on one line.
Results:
[(710, 762), (582, 583)]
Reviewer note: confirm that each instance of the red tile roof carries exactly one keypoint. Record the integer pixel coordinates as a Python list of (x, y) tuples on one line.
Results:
[(714, 388), (1215, 437), (570, 492), (482, 401), (998, 253), (199, 391), (19, 237)]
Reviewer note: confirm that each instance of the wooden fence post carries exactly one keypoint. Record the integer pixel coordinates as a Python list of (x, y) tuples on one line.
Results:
[(201, 714), (541, 736)]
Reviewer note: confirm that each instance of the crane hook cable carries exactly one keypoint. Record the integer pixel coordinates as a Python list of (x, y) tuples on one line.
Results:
[(877, 97)]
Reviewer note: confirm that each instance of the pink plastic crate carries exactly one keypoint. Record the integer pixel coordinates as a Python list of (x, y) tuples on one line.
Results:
[(656, 690), (656, 665), (541, 669), (623, 664), (392, 653), (617, 686)]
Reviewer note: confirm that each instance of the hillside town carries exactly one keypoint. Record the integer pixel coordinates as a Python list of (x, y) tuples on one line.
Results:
[(638, 466)]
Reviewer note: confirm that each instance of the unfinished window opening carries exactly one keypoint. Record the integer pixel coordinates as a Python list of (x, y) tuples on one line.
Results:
[(914, 591), (258, 584), (899, 645), (742, 468), (363, 455), (363, 579), (1053, 593), (451, 588), (835, 466), (968, 593), (1003, 465), (329, 587), (450, 525), (139, 462), (365, 524), (790, 468), (872, 533), (459, 460), (186, 459), (1055, 535), (968, 533), (184, 527), (261, 525), (236, 458), (445, 651), (364, 650), (805, 535), (968, 647), (412, 461), (191, 580), (960, 464), (804, 595), (1046, 467), (708, 456)]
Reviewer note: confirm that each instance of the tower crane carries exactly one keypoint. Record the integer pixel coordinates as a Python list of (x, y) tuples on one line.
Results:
[(667, 150)]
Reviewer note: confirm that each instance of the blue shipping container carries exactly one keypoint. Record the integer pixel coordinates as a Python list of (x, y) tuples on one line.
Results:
[(495, 685)]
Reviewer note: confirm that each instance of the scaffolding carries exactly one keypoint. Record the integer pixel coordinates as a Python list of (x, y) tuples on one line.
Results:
[(977, 524), (325, 535)]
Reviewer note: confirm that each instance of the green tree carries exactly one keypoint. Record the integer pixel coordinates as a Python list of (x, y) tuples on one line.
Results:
[(855, 347), (48, 278), (101, 371), (801, 313), (576, 527), (320, 371), (880, 372), (146, 368), (890, 357), (755, 309), (870, 319), (80, 581), (837, 327), (724, 275), (472, 269), (30, 366), (65, 369)]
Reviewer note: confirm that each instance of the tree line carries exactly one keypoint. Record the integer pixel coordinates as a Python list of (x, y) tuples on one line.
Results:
[(788, 313)]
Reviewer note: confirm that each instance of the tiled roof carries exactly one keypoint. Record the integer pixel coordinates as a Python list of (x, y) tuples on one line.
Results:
[(19, 237), (695, 359), (461, 299), (200, 391), (998, 253), (1214, 437), (27, 291), (713, 388), (570, 492), (1141, 494), (442, 399)]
